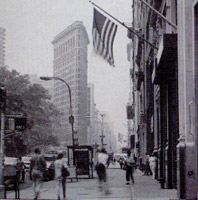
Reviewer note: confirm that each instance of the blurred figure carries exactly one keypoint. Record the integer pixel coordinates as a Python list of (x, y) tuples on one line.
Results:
[(100, 168), (121, 161), (147, 170), (59, 164), (129, 164), (21, 167), (37, 168), (153, 164)]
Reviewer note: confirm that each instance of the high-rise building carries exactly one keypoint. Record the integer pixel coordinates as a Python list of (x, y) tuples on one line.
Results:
[(70, 64), (2, 47), (91, 106)]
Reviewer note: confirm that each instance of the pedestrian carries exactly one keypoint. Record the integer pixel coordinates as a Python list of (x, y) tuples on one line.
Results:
[(129, 164), (147, 170), (61, 180), (100, 168), (121, 161), (153, 164), (37, 168), (21, 169)]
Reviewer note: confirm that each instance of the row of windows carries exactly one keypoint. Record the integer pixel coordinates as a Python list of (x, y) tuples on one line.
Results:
[(73, 83), (66, 73), (74, 94), (61, 90), (68, 56), (76, 111), (67, 62), (67, 46), (69, 68)]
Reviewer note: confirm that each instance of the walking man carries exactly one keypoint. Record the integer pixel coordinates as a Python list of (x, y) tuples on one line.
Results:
[(59, 165), (129, 164), (101, 170), (37, 168)]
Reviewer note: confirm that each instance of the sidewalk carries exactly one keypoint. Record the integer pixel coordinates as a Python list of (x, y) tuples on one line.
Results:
[(145, 188)]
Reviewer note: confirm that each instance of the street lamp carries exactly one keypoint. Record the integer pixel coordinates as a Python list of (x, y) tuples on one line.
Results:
[(102, 136), (71, 118)]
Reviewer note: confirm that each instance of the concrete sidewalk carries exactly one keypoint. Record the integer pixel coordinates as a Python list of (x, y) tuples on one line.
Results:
[(145, 188)]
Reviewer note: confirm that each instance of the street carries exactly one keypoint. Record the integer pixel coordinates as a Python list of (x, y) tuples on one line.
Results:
[(87, 189)]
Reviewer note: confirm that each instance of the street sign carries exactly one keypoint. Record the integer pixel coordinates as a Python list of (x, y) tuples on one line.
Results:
[(15, 123)]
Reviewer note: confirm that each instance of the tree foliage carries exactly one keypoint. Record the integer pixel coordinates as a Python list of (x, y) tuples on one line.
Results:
[(31, 100)]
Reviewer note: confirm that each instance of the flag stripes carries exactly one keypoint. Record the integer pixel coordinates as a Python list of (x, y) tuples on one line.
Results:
[(103, 32)]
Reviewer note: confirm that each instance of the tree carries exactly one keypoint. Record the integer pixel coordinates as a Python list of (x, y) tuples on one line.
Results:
[(31, 100)]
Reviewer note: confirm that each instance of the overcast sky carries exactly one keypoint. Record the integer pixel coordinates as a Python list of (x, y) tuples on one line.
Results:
[(31, 26)]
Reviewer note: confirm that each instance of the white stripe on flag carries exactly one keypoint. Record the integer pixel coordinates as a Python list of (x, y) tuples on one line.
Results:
[(104, 32), (111, 43), (108, 42)]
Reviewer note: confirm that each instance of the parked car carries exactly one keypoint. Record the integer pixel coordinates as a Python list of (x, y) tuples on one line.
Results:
[(49, 173), (26, 160)]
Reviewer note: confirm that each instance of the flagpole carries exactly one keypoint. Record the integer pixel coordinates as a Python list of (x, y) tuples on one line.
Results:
[(122, 23)]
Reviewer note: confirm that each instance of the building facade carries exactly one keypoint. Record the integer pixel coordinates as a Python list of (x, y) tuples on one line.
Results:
[(132, 123), (165, 89), (70, 64), (91, 107), (2, 47), (188, 98)]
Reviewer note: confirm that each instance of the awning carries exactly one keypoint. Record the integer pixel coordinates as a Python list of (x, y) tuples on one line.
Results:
[(166, 58)]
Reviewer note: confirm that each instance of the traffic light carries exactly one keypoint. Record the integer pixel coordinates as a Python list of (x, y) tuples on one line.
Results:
[(2, 98)]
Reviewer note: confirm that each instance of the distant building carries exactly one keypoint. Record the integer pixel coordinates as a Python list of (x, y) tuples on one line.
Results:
[(2, 47), (90, 114), (70, 64)]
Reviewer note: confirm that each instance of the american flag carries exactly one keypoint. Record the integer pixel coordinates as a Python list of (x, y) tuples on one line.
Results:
[(103, 33)]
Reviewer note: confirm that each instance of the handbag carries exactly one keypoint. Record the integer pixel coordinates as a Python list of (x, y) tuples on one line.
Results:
[(64, 172)]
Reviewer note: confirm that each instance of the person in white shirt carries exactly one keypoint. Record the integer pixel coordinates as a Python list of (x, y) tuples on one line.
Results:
[(129, 164), (153, 164), (103, 160), (59, 164)]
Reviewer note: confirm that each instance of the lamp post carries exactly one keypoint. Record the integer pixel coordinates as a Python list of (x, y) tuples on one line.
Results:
[(71, 117), (2, 140), (102, 136)]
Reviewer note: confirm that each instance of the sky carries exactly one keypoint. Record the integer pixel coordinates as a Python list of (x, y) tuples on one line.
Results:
[(31, 26)]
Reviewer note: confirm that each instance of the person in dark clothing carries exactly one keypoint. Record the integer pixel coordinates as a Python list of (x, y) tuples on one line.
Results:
[(37, 168), (147, 170), (21, 167), (121, 161), (129, 164)]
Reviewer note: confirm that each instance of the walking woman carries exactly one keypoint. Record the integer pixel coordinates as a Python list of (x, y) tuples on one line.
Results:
[(129, 164), (59, 164)]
